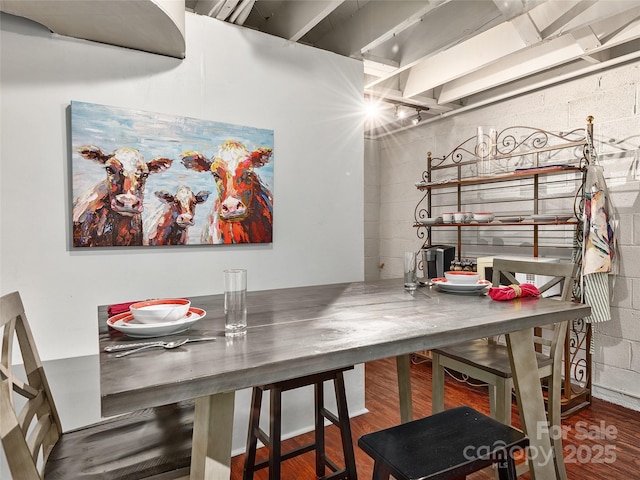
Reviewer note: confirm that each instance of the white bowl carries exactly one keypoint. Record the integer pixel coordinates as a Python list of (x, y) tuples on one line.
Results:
[(160, 311), (462, 278), (483, 216)]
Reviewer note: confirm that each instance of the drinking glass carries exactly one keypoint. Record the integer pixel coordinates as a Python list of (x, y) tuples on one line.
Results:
[(235, 302), (486, 144), (410, 273)]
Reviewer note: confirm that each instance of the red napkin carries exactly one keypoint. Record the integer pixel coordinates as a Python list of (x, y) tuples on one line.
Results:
[(117, 308), (514, 291)]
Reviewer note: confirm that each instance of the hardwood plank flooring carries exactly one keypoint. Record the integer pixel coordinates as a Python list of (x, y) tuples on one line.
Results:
[(601, 441)]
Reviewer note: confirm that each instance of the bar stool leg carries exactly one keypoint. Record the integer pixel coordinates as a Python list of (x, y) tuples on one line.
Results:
[(345, 430), (252, 438), (507, 469), (380, 471), (275, 433), (318, 389)]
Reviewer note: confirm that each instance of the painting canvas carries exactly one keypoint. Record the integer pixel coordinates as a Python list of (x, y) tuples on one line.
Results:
[(149, 179)]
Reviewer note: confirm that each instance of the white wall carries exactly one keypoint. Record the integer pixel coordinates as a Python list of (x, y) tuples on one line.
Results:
[(310, 98), (613, 98), (371, 211)]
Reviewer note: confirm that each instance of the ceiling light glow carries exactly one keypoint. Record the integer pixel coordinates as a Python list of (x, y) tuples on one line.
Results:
[(400, 112), (372, 109)]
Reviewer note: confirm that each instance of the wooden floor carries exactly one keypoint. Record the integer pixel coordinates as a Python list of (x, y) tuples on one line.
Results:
[(601, 441)]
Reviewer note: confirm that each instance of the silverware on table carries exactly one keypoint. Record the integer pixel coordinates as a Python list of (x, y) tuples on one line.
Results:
[(158, 343), (167, 345)]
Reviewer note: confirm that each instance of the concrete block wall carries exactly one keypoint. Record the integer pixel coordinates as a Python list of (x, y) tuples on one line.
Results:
[(612, 97)]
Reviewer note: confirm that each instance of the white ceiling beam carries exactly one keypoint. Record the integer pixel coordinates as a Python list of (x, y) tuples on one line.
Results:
[(418, 101), (541, 80), (241, 13), (587, 39), (511, 9), (378, 67), (373, 23), (543, 57), (461, 59), (526, 62), (586, 12), (546, 78), (226, 9), (412, 19), (598, 57), (552, 16), (527, 29), (294, 19), (446, 28), (516, 12)]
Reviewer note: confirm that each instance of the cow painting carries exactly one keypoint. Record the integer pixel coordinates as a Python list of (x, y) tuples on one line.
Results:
[(170, 225), (243, 210), (110, 213)]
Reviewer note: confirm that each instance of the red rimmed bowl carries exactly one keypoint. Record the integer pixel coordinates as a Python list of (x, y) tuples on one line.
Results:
[(462, 278), (161, 310)]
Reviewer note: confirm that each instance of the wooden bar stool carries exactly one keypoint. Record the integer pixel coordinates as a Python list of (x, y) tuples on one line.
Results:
[(444, 446), (273, 440)]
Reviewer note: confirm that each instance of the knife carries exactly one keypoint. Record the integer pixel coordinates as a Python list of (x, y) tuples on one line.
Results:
[(129, 346)]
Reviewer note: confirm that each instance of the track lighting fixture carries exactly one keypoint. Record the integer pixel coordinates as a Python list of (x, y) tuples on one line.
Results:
[(402, 110), (418, 118)]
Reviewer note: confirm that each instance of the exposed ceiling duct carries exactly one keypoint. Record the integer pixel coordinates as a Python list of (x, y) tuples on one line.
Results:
[(155, 26)]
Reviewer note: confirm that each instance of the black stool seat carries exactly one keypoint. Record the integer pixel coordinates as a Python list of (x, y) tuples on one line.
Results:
[(447, 445), (273, 440)]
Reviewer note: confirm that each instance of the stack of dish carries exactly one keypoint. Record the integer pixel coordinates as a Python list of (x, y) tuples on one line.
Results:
[(154, 318), (461, 282), (431, 221)]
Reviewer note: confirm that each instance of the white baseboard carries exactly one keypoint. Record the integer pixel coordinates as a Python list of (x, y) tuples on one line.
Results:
[(618, 397)]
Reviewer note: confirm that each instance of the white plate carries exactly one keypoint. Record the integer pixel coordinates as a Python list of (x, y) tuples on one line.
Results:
[(125, 323), (551, 218), (508, 219), (445, 286)]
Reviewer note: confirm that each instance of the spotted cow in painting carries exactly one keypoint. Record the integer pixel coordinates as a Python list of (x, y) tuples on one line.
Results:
[(110, 213), (170, 224), (243, 211)]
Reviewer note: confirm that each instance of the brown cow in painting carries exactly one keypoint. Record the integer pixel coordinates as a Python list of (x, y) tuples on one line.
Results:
[(110, 213), (243, 211), (170, 225)]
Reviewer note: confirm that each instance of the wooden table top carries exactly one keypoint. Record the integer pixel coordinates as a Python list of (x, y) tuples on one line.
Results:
[(298, 331)]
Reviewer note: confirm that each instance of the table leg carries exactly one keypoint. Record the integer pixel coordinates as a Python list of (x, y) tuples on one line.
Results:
[(212, 431), (403, 368), (531, 404)]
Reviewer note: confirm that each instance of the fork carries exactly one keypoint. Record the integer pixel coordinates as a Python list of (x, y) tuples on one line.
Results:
[(159, 343)]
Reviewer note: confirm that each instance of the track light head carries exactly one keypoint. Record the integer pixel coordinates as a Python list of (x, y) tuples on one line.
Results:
[(418, 118)]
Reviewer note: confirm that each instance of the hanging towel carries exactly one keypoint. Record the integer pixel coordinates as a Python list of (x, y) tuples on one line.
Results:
[(599, 247)]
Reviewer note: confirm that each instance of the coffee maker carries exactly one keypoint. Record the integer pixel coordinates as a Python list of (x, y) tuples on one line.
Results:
[(436, 259)]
